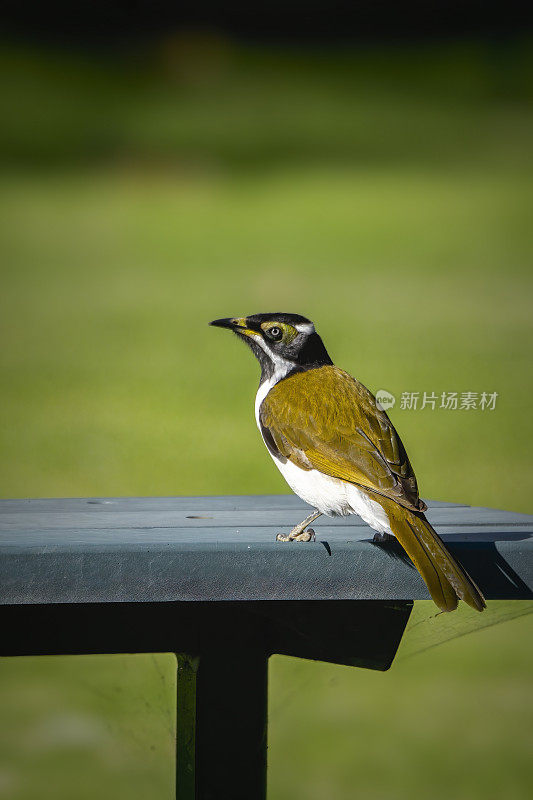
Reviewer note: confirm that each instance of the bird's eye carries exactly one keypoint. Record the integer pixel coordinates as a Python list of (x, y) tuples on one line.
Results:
[(274, 333)]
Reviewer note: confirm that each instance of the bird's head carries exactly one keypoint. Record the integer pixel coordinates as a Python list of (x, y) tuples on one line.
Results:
[(281, 342)]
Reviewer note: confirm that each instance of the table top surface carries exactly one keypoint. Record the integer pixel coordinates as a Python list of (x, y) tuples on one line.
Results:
[(80, 550)]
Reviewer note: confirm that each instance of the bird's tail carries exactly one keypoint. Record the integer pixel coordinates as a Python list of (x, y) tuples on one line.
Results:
[(446, 580)]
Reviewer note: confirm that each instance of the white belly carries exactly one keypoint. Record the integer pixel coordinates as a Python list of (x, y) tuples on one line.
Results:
[(330, 496), (327, 495)]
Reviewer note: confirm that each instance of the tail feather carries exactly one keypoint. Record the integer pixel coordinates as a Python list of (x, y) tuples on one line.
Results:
[(445, 578)]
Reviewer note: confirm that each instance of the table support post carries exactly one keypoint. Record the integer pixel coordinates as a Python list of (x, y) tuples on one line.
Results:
[(222, 725), (186, 726)]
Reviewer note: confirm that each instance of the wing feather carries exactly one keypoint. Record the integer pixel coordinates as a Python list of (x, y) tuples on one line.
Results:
[(326, 420)]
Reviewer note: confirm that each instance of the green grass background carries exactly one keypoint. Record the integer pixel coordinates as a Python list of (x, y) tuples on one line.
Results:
[(384, 194)]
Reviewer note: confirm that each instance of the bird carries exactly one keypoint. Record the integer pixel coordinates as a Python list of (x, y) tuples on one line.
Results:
[(338, 450)]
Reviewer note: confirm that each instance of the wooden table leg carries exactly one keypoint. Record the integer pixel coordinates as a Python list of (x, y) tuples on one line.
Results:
[(222, 724)]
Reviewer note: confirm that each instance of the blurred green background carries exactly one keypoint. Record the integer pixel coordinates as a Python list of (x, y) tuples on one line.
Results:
[(386, 193)]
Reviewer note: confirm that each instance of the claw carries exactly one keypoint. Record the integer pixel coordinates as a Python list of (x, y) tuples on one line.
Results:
[(306, 536), (301, 533)]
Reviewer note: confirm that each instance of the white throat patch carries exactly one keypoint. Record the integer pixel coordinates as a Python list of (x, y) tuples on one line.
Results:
[(282, 367)]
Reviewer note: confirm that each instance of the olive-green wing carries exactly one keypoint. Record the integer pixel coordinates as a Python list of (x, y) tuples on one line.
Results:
[(326, 420)]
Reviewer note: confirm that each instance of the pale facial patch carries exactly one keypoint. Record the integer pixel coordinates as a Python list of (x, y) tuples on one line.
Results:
[(305, 327)]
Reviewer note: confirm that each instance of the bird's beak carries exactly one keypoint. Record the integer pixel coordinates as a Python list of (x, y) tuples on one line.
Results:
[(237, 324), (228, 322)]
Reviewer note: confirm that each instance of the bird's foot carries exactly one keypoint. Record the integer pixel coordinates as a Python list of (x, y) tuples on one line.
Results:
[(383, 538), (301, 533), (304, 536)]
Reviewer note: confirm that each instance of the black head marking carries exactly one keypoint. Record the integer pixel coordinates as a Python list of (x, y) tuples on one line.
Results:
[(283, 343), (256, 320)]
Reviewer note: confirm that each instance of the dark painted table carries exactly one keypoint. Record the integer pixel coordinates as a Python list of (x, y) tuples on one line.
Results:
[(203, 577)]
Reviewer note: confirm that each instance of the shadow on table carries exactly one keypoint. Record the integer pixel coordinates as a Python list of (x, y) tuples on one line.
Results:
[(482, 560)]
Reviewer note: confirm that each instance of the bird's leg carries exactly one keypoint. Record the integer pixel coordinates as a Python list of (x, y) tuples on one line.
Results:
[(299, 532)]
